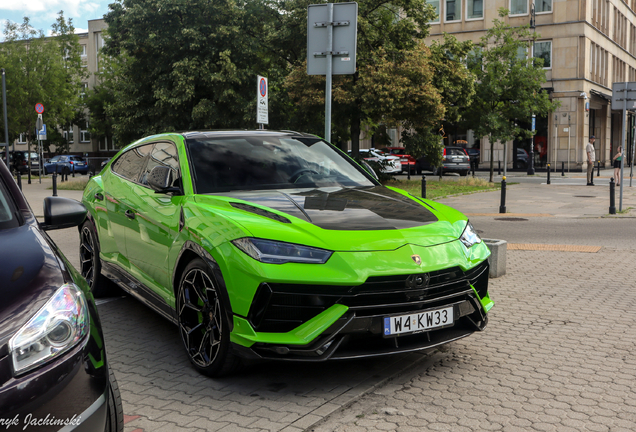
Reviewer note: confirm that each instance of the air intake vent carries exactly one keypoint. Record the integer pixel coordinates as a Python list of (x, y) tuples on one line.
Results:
[(260, 212)]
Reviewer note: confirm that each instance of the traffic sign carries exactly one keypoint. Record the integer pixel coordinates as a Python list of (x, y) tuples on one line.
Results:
[(39, 108), (261, 105), (42, 133)]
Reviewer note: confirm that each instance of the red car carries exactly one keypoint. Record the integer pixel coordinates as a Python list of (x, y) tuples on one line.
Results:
[(407, 161)]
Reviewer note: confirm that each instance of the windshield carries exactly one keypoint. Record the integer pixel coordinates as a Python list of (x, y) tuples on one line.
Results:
[(255, 163)]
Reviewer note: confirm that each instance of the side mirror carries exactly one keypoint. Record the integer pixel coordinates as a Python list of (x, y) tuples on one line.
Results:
[(60, 212), (160, 180)]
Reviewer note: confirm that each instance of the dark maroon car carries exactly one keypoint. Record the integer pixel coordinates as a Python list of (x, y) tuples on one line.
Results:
[(53, 369)]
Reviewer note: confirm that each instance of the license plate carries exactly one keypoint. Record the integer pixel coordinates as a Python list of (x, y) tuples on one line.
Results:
[(397, 325)]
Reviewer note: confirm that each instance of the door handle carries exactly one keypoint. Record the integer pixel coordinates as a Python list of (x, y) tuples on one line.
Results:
[(129, 214), (99, 196)]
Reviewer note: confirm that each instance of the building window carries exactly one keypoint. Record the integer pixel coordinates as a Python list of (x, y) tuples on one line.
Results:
[(474, 9), (453, 9), (83, 50), (85, 135), (106, 144), (68, 135), (22, 139), (518, 7), (541, 6), (543, 49), (435, 4)]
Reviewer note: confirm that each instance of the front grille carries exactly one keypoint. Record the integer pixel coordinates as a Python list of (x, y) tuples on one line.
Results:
[(279, 307)]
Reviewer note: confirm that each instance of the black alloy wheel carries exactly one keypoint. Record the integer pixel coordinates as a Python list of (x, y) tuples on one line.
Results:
[(90, 265), (203, 322)]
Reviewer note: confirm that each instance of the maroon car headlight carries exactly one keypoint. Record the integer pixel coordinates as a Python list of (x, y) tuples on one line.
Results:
[(56, 328)]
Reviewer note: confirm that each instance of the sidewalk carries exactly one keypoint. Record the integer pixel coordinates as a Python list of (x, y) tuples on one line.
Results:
[(36, 191)]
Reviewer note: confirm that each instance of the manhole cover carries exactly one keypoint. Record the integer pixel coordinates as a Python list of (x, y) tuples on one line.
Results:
[(584, 196), (511, 219)]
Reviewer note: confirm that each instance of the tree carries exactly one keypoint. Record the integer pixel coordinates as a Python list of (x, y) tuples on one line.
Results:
[(182, 65), (508, 87), (456, 86), (393, 81), (40, 70)]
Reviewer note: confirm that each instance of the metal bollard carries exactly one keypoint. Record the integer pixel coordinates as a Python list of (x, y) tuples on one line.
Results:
[(54, 184), (423, 186), (502, 206), (562, 169), (498, 167), (73, 169), (612, 207), (474, 163), (598, 173), (548, 173), (408, 172), (19, 180)]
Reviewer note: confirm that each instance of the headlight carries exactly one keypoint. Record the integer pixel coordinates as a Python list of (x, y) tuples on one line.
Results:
[(274, 252), (57, 327), (469, 237)]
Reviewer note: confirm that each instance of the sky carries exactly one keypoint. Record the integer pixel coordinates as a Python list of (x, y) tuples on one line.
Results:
[(43, 13)]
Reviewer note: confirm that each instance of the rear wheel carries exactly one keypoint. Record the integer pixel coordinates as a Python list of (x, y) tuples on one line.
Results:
[(115, 413), (203, 322), (90, 264)]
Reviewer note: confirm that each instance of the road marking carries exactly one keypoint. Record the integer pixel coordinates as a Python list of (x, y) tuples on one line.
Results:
[(552, 247)]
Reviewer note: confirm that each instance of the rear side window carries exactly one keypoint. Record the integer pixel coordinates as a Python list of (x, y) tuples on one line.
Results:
[(130, 163), (8, 218), (164, 154)]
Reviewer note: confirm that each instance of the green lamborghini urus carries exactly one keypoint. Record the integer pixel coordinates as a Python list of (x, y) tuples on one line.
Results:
[(277, 245)]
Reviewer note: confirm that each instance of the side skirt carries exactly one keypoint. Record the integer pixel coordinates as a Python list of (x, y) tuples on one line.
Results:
[(138, 290)]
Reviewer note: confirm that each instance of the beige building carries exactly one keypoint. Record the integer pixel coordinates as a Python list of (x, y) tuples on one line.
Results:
[(586, 44)]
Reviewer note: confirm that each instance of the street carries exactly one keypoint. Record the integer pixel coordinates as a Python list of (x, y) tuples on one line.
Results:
[(557, 353)]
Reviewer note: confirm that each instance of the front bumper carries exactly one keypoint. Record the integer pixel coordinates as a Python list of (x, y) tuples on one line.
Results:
[(321, 322)]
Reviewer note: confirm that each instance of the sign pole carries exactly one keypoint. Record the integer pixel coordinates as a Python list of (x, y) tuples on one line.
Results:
[(329, 72), (6, 126), (623, 142), (631, 170)]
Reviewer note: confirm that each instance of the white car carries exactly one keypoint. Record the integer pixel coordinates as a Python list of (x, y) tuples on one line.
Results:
[(390, 164)]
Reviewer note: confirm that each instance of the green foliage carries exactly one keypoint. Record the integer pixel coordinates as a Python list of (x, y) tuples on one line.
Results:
[(393, 83), (508, 87), (44, 70), (182, 65)]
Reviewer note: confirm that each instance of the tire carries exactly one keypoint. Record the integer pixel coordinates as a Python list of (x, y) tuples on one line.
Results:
[(203, 321), (115, 410), (90, 264)]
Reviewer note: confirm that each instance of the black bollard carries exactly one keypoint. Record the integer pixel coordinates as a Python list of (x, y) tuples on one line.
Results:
[(54, 184), (612, 208), (73, 168), (562, 169), (474, 163), (548, 173), (498, 167), (423, 186), (19, 180), (502, 206), (598, 172)]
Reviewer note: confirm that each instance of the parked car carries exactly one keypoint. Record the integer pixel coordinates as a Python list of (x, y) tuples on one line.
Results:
[(389, 164), (454, 159), (53, 362), (19, 161), (408, 162), (522, 159), (66, 164), (275, 245)]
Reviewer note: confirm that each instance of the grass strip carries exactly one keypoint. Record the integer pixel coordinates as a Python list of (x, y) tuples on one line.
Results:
[(444, 187)]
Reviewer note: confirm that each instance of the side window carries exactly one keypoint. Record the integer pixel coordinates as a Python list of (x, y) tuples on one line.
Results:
[(129, 164), (163, 154), (55, 159)]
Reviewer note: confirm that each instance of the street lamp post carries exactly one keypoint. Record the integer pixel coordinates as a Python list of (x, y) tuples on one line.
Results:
[(531, 161)]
